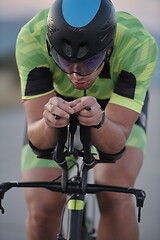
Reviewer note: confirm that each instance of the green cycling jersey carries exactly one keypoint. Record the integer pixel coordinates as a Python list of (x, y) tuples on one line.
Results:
[(124, 80)]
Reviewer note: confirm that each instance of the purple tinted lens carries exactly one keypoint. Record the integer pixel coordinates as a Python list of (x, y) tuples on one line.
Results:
[(84, 67), (95, 61)]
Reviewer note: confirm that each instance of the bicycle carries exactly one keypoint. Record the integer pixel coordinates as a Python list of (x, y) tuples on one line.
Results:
[(76, 187)]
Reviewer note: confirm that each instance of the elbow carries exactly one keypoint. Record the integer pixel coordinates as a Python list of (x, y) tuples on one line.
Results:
[(33, 137), (41, 136), (115, 148)]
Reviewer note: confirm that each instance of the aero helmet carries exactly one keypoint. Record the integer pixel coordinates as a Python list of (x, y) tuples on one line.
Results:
[(79, 29)]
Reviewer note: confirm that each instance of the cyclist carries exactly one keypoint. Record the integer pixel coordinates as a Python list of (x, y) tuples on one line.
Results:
[(80, 54)]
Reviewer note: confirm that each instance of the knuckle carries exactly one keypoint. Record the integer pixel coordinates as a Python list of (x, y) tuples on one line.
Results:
[(46, 106), (44, 114)]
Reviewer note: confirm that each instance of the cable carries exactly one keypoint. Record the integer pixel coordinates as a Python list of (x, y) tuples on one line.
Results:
[(74, 164)]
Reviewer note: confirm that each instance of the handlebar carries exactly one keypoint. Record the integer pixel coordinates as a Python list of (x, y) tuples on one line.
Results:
[(75, 188)]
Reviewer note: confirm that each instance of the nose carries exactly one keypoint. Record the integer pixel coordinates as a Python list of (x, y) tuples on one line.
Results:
[(76, 76), (76, 67), (76, 70)]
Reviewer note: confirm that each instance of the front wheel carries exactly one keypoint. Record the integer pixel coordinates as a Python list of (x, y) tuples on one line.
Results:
[(85, 235)]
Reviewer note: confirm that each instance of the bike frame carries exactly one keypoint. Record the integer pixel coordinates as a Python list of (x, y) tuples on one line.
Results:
[(79, 187)]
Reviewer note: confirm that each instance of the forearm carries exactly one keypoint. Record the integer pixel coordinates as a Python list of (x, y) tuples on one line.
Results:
[(110, 138), (40, 135)]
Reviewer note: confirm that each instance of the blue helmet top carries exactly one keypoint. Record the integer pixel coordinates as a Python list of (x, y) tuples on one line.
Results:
[(79, 13)]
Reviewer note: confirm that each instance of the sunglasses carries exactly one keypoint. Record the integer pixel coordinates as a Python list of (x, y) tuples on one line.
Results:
[(83, 68)]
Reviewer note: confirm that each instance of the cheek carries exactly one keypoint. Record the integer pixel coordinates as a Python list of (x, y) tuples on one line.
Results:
[(94, 76), (69, 77)]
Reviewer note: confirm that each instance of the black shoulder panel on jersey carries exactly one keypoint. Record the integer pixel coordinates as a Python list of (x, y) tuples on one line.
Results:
[(39, 81), (126, 85)]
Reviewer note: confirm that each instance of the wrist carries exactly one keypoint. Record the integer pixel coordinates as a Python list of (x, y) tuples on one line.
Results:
[(101, 122)]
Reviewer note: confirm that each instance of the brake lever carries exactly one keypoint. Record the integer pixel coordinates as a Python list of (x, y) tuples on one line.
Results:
[(4, 187), (140, 197), (1, 207), (1, 198)]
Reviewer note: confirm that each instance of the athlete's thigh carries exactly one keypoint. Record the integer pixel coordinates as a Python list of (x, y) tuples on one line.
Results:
[(123, 172), (40, 198)]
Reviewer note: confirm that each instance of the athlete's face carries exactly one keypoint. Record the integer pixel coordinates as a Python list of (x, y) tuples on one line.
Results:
[(84, 82)]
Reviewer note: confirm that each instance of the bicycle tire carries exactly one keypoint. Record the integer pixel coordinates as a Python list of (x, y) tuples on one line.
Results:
[(86, 235), (88, 231)]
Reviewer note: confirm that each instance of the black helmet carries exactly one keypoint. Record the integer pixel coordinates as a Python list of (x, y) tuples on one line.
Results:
[(79, 29)]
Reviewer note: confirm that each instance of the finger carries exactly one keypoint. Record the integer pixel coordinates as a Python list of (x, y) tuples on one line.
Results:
[(84, 120), (66, 107), (90, 111), (80, 106), (51, 121), (83, 103), (62, 104), (56, 111), (49, 107), (91, 117), (58, 124), (74, 102)]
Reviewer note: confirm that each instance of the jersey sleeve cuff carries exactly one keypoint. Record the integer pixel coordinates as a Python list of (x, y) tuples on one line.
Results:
[(25, 98), (132, 104)]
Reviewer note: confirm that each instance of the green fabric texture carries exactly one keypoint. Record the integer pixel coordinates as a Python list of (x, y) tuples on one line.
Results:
[(29, 160)]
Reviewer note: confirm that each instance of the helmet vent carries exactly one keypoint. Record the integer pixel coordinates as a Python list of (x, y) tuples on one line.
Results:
[(107, 33), (83, 49), (51, 30), (66, 47), (51, 26)]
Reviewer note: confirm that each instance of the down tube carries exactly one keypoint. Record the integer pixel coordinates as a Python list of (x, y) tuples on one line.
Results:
[(75, 206)]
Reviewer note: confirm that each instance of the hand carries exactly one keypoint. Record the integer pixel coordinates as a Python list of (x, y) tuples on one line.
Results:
[(56, 106), (88, 109)]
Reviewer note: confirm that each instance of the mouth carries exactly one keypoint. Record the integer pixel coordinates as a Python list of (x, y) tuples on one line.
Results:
[(80, 85)]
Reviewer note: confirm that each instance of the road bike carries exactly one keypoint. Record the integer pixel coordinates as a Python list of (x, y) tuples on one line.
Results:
[(76, 187)]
